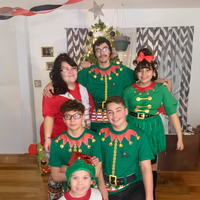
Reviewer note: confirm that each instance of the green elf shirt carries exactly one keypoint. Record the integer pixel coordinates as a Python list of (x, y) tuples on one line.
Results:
[(64, 145), (147, 100), (122, 151), (103, 83)]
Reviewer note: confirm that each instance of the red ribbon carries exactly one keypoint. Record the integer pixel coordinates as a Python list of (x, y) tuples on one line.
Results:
[(141, 57)]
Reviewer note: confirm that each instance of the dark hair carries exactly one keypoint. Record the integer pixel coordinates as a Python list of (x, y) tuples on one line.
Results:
[(100, 41), (72, 105), (60, 87), (115, 99), (145, 64)]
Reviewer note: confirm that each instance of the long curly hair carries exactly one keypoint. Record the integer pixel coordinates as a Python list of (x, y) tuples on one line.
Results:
[(60, 86), (145, 64)]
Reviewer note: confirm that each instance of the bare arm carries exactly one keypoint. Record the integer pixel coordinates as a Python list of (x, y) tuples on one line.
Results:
[(48, 127), (48, 89), (177, 126), (147, 178), (102, 186), (165, 82), (98, 169), (57, 175)]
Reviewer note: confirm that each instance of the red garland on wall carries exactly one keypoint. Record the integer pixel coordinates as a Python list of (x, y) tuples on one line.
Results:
[(8, 12)]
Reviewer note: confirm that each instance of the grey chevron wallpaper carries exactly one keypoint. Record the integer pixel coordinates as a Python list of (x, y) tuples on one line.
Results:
[(172, 47)]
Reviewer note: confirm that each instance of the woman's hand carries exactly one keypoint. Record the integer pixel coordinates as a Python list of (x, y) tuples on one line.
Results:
[(47, 145), (85, 65), (180, 145), (48, 90), (95, 161)]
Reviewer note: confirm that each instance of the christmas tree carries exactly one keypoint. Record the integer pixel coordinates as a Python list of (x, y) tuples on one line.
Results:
[(100, 29)]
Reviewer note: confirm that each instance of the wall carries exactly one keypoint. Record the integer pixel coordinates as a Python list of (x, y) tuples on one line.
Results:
[(49, 30)]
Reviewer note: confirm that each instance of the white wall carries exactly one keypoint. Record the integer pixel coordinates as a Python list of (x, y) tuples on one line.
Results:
[(49, 30)]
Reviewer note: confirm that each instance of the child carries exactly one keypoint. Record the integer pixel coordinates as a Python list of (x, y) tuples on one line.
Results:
[(144, 98), (123, 147), (81, 175), (75, 139)]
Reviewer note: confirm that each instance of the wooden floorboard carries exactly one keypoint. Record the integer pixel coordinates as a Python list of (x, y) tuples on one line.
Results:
[(20, 179)]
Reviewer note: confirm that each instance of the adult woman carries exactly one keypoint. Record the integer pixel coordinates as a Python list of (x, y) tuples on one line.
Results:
[(144, 98), (63, 76)]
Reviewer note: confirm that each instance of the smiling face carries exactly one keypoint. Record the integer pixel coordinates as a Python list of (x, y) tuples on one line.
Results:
[(102, 53), (145, 76), (80, 183), (69, 73), (116, 114), (74, 120)]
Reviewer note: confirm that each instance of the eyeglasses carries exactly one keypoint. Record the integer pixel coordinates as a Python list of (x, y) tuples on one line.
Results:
[(105, 49), (73, 68), (75, 116)]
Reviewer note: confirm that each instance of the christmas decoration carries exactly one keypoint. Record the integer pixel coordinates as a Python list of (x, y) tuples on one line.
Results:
[(96, 10), (8, 12), (100, 29)]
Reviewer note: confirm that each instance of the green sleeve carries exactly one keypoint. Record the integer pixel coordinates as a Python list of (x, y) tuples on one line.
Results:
[(96, 147), (128, 79), (145, 152), (169, 102), (126, 97), (83, 76), (55, 160)]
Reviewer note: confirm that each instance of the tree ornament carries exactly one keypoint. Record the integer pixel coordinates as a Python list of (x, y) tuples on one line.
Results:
[(90, 33), (112, 33)]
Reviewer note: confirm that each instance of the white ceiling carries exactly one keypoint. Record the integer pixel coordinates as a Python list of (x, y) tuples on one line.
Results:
[(108, 4)]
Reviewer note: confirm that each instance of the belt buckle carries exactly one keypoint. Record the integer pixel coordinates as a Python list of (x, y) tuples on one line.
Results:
[(103, 102), (115, 181), (140, 117)]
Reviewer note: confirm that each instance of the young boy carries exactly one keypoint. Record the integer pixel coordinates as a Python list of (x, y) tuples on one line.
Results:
[(75, 138), (81, 175), (123, 147)]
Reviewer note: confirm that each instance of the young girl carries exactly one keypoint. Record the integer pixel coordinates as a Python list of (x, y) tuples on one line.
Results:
[(144, 98), (63, 76)]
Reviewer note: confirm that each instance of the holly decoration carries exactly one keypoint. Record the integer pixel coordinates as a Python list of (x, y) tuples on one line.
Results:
[(100, 29)]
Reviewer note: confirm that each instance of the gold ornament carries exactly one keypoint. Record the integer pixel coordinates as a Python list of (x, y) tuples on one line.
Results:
[(110, 78), (101, 79), (99, 133), (89, 146), (103, 139), (94, 76), (56, 141), (61, 146), (138, 137), (93, 140), (80, 150), (130, 142), (120, 145), (89, 72), (70, 150), (110, 143), (121, 69), (117, 74)]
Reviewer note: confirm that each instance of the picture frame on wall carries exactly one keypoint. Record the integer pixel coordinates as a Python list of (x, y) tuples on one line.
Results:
[(49, 65), (47, 51)]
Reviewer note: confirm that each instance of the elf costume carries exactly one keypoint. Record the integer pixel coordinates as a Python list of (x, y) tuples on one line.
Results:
[(121, 152), (143, 104), (103, 83), (64, 145)]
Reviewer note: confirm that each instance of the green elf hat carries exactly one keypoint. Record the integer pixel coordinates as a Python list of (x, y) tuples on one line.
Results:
[(78, 165)]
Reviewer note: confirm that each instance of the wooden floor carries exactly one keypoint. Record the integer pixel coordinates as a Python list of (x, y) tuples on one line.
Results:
[(20, 179)]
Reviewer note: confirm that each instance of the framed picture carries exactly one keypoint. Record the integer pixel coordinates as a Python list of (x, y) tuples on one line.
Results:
[(49, 65), (47, 51)]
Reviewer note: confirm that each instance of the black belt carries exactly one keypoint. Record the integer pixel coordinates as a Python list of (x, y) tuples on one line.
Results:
[(113, 180), (140, 115), (100, 105)]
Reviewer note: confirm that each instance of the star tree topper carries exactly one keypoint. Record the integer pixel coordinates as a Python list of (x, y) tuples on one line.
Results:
[(96, 10)]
